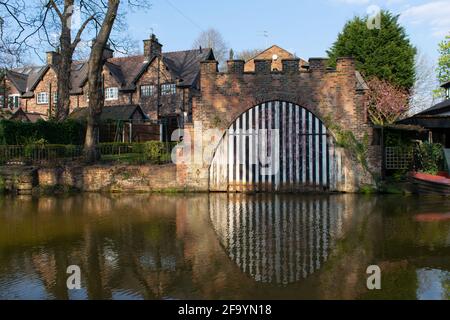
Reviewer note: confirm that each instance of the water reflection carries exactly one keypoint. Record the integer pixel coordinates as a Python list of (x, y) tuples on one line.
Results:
[(278, 239), (221, 246)]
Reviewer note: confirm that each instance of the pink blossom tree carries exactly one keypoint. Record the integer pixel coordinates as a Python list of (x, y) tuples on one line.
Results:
[(385, 102)]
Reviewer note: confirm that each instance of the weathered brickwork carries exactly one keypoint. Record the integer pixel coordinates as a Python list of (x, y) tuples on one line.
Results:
[(332, 95), (110, 178), (99, 178)]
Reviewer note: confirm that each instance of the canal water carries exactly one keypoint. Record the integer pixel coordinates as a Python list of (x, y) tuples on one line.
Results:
[(224, 246)]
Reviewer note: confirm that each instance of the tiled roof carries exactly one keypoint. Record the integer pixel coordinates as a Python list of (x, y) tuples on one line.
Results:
[(436, 109), (26, 79), (119, 112), (183, 65)]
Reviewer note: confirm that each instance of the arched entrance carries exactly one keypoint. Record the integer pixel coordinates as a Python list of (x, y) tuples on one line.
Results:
[(276, 146)]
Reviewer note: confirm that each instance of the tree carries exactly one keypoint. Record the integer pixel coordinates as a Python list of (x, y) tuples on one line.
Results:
[(248, 54), (422, 96), (53, 22), (11, 55), (443, 69), (385, 102), (96, 96), (213, 39), (385, 53)]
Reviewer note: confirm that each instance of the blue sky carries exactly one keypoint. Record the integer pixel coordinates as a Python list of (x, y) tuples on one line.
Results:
[(307, 28)]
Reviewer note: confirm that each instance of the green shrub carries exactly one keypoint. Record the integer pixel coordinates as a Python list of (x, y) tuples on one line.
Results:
[(23, 133), (155, 152), (429, 157)]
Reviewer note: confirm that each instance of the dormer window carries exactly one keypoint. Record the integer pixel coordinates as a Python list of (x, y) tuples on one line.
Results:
[(168, 89), (42, 98), (112, 93)]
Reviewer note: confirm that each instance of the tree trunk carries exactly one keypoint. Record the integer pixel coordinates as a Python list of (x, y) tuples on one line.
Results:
[(64, 65), (96, 95)]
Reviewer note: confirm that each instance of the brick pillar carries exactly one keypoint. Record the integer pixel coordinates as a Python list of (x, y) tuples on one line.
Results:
[(318, 64), (291, 65), (345, 65), (209, 67), (263, 66), (235, 66)]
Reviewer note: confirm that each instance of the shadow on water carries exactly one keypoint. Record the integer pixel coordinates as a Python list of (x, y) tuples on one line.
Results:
[(223, 246)]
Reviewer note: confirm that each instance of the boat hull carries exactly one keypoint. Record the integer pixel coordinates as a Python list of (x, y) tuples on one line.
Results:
[(430, 185)]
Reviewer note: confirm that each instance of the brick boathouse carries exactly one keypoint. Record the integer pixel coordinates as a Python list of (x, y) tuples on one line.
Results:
[(305, 102)]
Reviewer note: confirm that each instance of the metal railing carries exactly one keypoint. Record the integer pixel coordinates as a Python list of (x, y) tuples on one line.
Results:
[(55, 154), (38, 154)]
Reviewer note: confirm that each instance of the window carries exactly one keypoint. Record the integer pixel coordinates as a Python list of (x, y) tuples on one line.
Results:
[(55, 98), (14, 101), (111, 93), (42, 98), (1, 101), (448, 93), (148, 90), (168, 89)]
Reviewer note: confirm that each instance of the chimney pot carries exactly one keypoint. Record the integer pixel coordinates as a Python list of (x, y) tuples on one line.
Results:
[(152, 47)]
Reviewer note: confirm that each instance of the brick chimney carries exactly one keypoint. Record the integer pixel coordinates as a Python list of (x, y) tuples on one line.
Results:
[(152, 47), (108, 53), (53, 57)]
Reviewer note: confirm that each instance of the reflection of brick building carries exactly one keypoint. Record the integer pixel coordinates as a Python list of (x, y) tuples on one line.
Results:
[(171, 78)]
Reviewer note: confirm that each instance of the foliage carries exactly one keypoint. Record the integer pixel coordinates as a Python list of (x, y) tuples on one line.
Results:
[(385, 53), (443, 69), (385, 102), (397, 139), (21, 133), (155, 152), (346, 139), (429, 157)]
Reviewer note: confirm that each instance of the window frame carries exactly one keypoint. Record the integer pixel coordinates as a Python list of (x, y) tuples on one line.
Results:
[(15, 96), (168, 92), (108, 91), (151, 87), (38, 95)]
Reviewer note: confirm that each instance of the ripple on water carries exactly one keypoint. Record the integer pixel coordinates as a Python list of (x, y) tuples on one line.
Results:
[(20, 286)]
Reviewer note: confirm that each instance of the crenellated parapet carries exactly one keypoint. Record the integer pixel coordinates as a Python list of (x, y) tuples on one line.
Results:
[(289, 67)]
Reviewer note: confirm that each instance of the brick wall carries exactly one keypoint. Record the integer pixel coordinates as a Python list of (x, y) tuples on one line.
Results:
[(111, 178), (330, 94), (48, 84)]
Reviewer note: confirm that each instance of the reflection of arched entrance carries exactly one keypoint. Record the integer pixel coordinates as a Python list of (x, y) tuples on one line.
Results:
[(278, 239), (276, 146)]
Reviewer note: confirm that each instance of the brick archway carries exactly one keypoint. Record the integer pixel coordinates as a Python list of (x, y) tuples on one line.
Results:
[(334, 95), (276, 146)]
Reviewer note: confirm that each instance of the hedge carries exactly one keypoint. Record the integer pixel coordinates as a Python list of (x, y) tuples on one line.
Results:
[(69, 132)]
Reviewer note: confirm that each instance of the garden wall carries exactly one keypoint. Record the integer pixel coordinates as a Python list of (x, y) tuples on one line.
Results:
[(98, 178)]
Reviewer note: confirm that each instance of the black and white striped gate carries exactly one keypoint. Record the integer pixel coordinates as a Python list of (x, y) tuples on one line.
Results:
[(276, 146)]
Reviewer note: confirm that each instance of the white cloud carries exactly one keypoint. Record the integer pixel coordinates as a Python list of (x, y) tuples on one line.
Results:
[(435, 15)]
